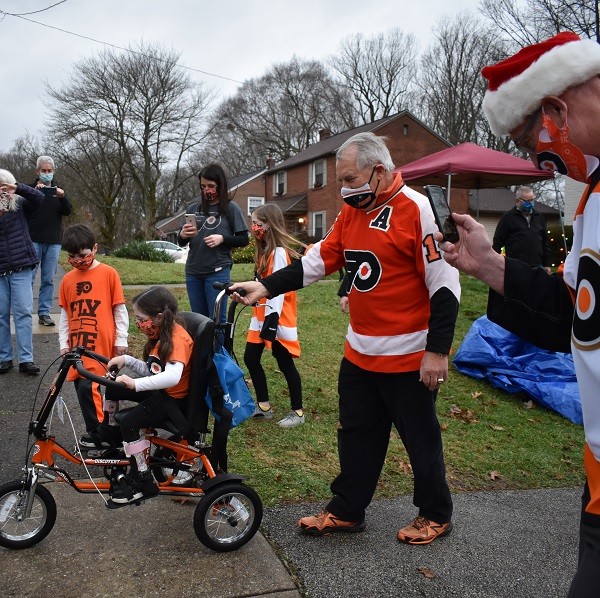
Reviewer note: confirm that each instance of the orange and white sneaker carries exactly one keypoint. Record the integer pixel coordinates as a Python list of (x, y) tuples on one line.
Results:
[(325, 523), (423, 531)]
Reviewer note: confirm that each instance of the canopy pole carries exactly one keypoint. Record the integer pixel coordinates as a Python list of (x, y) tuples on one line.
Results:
[(448, 188)]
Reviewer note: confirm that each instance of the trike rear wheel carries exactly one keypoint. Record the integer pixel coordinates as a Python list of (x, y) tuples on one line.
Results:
[(16, 530), (228, 516)]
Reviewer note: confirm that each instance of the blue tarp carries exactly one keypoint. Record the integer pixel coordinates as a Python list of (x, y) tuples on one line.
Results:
[(488, 352)]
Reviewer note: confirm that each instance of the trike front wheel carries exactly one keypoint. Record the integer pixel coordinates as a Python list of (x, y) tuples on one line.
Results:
[(228, 516), (16, 530)]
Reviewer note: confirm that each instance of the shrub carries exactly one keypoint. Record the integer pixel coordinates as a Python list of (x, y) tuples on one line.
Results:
[(244, 255), (140, 250)]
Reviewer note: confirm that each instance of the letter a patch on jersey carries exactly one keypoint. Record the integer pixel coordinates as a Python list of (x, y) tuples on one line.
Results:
[(382, 220)]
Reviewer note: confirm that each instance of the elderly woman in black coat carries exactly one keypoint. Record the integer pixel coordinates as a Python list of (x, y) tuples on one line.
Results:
[(17, 258)]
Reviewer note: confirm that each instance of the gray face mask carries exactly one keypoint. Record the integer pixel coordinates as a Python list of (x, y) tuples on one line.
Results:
[(46, 178), (361, 197), (5, 201)]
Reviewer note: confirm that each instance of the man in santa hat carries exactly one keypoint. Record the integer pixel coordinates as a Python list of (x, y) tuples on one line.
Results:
[(547, 98)]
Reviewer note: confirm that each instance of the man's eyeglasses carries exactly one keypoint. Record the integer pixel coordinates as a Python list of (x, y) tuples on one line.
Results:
[(521, 141)]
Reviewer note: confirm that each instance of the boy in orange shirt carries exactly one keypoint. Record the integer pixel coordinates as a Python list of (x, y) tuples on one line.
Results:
[(93, 315)]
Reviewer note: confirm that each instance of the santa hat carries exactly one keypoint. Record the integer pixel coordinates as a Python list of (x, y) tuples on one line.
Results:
[(517, 85)]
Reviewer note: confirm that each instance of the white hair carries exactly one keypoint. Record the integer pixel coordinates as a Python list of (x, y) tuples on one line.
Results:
[(44, 160), (7, 178), (371, 150)]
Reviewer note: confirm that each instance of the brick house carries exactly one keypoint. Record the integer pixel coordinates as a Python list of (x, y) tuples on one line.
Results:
[(305, 186)]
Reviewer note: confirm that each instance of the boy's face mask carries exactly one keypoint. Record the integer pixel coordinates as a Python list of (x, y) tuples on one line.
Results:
[(83, 263)]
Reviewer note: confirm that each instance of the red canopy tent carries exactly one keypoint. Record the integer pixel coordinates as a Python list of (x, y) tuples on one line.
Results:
[(470, 166)]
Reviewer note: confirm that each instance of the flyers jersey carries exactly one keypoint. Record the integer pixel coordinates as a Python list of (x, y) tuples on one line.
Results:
[(582, 273), (284, 305), (394, 269), (89, 298), (182, 352)]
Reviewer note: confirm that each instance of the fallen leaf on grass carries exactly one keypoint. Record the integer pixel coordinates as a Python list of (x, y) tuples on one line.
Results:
[(406, 468), (528, 404), (497, 428), (426, 572), (494, 475), (476, 394), (465, 415)]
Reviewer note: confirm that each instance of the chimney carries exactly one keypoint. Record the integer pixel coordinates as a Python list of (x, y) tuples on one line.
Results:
[(270, 160), (324, 133)]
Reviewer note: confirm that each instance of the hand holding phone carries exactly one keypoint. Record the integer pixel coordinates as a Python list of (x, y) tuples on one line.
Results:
[(48, 191), (441, 212), (190, 219)]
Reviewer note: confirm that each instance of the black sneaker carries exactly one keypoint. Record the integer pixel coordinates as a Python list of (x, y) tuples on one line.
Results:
[(93, 440), (29, 368), (5, 367), (141, 485), (45, 320)]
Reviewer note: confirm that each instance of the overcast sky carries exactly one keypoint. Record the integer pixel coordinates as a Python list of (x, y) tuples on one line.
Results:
[(235, 39)]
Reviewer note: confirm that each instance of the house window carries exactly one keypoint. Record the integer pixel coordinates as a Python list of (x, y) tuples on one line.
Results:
[(318, 224), (253, 203), (406, 129), (318, 171), (280, 183)]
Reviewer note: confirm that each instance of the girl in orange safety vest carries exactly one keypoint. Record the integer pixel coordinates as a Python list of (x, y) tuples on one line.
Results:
[(273, 322)]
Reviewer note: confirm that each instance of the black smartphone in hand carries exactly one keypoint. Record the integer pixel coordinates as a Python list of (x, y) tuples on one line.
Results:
[(48, 191), (441, 212)]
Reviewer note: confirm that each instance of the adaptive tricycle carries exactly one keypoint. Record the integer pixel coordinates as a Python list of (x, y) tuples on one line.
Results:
[(229, 511)]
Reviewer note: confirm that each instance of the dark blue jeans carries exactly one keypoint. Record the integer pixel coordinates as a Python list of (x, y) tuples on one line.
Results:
[(202, 295)]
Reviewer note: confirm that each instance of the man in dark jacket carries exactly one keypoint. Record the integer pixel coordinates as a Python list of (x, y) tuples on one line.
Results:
[(45, 229), (522, 232)]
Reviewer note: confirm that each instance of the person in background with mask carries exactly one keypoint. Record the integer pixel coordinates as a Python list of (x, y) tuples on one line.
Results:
[(220, 226), (403, 302), (522, 232), (547, 98), (17, 259), (93, 315), (45, 229)]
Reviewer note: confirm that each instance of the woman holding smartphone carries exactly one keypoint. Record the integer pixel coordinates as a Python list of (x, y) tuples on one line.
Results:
[(219, 226)]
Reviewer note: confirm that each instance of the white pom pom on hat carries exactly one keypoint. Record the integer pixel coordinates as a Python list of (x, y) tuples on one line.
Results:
[(517, 85)]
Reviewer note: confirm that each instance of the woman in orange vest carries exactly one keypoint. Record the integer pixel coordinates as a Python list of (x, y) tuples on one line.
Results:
[(273, 323)]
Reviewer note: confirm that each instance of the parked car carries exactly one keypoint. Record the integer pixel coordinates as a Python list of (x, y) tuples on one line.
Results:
[(179, 254)]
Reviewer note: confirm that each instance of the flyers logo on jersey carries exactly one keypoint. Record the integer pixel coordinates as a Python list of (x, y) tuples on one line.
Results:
[(586, 322), (364, 270)]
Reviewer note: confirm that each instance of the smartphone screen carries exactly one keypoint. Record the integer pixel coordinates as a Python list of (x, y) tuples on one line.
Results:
[(48, 191), (441, 211)]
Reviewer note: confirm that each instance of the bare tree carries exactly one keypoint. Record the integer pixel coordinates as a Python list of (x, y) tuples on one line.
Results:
[(147, 112), (279, 113), (534, 20), (379, 72), (20, 159), (452, 88)]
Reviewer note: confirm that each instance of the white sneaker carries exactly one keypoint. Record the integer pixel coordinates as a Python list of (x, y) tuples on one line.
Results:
[(260, 414), (291, 420), (182, 478)]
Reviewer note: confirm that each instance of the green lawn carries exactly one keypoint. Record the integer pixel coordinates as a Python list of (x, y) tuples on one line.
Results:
[(491, 440)]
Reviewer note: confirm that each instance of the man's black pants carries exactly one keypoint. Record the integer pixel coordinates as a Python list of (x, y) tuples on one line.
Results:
[(370, 402)]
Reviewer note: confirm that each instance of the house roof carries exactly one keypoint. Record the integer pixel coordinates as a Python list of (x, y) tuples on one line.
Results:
[(237, 181), (498, 201), (330, 145), (296, 204)]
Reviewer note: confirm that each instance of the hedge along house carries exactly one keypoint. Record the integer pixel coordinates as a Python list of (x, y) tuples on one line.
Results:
[(305, 186)]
